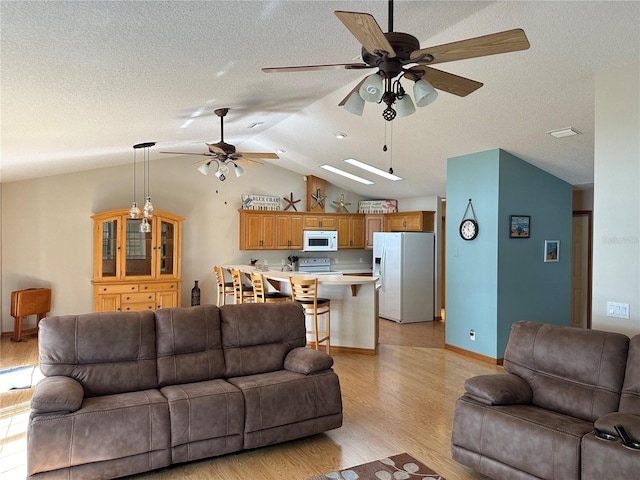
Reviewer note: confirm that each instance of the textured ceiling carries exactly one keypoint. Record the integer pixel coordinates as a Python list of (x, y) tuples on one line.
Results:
[(81, 82)]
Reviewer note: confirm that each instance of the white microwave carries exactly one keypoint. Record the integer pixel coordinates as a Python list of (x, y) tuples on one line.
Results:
[(320, 241)]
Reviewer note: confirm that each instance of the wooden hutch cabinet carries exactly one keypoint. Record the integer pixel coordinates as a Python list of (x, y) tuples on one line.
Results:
[(134, 271)]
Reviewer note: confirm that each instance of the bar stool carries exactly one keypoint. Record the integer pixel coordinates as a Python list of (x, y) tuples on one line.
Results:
[(305, 292), (224, 288), (243, 293), (260, 294)]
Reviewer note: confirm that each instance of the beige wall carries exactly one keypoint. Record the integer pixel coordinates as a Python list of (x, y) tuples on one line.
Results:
[(47, 230), (616, 234)]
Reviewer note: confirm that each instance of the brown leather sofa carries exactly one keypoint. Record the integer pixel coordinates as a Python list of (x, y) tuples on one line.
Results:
[(537, 420), (126, 393)]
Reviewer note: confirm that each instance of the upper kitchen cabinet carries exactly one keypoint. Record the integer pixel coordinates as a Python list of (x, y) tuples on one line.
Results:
[(374, 222), (289, 231), (419, 221), (320, 222), (350, 231), (257, 230)]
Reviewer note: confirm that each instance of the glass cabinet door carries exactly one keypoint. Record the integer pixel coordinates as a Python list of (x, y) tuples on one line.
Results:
[(109, 253), (138, 249), (167, 248)]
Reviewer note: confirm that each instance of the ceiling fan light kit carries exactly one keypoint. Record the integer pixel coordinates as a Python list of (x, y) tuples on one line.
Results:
[(394, 53)]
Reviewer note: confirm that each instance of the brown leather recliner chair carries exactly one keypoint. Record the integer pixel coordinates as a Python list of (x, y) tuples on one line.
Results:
[(530, 422)]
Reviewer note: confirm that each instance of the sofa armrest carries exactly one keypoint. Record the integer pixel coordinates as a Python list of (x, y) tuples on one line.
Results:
[(499, 389), (629, 421), (57, 395), (306, 360)]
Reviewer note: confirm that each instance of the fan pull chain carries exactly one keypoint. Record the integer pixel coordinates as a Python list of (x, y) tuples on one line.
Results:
[(384, 148)]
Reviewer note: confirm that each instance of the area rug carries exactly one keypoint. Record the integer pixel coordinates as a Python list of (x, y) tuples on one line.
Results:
[(18, 377), (398, 467)]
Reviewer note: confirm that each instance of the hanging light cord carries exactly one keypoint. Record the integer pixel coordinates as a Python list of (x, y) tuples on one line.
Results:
[(384, 148)]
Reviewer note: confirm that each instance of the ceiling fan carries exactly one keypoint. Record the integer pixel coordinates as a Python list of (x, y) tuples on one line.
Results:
[(398, 54), (224, 153)]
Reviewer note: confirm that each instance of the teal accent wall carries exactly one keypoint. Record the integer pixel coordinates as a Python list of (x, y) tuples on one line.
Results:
[(494, 281)]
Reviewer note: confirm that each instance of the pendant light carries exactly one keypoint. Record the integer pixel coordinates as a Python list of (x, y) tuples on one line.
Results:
[(134, 211)]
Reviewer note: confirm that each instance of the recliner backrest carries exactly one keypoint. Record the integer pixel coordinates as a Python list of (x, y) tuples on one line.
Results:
[(189, 345), (256, 337), (107, 353), (573, 371), (630, 398)]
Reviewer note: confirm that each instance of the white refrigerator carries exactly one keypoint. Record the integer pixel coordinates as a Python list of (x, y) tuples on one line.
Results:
[(405, 263)]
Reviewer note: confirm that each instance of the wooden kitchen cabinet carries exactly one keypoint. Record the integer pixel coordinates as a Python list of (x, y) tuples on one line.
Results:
[(374, 222), (257, 230), (289, 231), (419, 221), (134, 271), (325, 221), (350, 231)]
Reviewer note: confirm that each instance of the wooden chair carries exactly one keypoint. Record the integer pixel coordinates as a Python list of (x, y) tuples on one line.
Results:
[(305, 292), (32, 301), (260, 293), (224, 288), (242, 293)]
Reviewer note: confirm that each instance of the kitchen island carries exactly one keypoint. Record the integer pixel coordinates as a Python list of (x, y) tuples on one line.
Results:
[(354, 306)]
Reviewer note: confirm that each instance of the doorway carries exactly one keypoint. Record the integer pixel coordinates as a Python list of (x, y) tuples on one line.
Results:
[(581, 247)]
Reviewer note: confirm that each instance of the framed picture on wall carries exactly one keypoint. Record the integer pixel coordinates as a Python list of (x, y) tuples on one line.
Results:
[(519, 226), (552, 250)]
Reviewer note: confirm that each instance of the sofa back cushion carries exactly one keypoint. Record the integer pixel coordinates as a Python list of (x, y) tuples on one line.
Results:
[(630, 398), (256, 337), (573, 371), (189, 345), (106, 352)]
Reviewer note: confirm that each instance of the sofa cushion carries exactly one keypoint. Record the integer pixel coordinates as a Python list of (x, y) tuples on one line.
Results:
[(105, 428), (570, 370), (284, 405), (306, 360), (256, 337), (107, 353), (498, 389), (539, 442), (189, 345), (207, 419), (630, 397)]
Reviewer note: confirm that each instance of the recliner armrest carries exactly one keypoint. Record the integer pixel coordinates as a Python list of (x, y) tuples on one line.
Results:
[(306, 360), (57, 394), (499, 389), (629, 421)]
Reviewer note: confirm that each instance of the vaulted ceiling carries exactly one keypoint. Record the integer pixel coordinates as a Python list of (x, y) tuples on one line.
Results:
[(82, 82)]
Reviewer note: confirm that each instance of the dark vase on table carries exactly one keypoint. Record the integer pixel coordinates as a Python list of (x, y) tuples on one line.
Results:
[(195, 295)]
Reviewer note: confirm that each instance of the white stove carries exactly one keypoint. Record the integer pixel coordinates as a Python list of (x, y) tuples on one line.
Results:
[(316, 266)]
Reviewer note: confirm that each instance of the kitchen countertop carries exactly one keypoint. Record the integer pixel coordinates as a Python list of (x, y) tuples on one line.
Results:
[(322, 279)]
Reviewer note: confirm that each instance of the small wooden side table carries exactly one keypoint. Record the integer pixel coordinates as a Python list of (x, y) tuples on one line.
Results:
[(31, 301)]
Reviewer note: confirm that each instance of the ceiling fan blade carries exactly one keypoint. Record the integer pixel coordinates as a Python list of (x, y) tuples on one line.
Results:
[(271, 156), (309, 68), (215, 149), (501, 42), (367, 31), (191, 153), (354, 89), (248, 162), (447, 82)]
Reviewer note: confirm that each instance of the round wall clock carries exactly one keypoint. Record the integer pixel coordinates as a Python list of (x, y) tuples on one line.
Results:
[(468, 229)]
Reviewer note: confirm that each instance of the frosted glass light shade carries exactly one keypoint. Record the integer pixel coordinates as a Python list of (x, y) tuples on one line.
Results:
[(355, 104), (405, 106), (372, 89), (239, 171), (424, 93), (204, 168)]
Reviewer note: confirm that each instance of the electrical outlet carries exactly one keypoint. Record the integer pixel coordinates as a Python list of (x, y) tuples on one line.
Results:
[(282, 262), (472, 335), (336, 261)]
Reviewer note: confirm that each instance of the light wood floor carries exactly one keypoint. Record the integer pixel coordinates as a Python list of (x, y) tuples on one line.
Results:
[(398, 401)]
